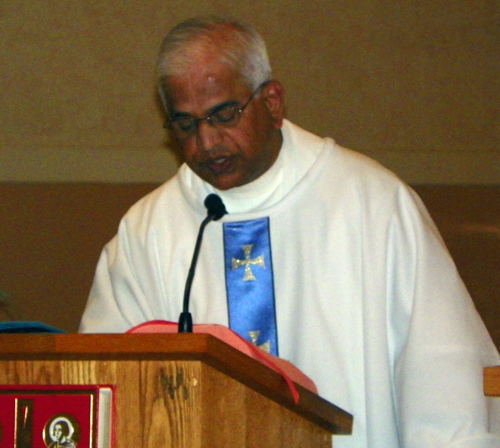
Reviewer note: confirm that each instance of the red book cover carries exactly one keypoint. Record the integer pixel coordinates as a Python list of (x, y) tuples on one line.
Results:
[(56, 416)]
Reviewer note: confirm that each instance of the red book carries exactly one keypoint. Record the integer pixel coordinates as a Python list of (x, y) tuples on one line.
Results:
[(62, 416), (288, 371)]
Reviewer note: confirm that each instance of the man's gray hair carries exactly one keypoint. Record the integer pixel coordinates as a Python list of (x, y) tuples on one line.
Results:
[(239, 47)]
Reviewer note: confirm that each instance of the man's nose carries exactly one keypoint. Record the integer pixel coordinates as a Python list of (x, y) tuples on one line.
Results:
[(207, 135)]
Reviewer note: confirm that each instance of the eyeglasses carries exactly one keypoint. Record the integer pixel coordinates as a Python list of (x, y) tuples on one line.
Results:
[(224, 116)]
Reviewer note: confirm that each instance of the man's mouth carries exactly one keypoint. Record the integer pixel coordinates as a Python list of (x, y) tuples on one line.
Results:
[(219, 165)]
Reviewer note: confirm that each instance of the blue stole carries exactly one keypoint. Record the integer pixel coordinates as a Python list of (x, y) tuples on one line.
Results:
[(249, 282)]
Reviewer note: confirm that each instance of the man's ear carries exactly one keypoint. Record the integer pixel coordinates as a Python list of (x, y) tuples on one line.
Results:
[(274, 99)]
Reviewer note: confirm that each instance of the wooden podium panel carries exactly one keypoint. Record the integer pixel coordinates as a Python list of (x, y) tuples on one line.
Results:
[(179, 391), (492, 381)]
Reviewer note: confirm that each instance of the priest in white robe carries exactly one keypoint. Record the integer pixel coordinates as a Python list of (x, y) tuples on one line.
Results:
[(361, 293)]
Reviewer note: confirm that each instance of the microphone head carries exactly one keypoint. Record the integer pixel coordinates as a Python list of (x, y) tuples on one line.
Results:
[(215, 206)]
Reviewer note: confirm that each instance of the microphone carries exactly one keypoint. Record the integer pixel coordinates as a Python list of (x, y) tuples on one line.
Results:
[(215, 206), (215, 210)]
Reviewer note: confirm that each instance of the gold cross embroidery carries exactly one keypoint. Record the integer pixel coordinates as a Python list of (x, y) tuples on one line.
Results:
[(248, 262), (254, 337)]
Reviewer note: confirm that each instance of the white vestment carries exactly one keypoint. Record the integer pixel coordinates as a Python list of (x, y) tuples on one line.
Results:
[(368, 301)]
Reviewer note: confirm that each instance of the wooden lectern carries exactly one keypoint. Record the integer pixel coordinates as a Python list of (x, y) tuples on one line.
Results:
[(491, 381), (177, 390)]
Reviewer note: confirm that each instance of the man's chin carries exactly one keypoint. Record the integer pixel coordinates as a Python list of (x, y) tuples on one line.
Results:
[(224, 182), (231, 178)]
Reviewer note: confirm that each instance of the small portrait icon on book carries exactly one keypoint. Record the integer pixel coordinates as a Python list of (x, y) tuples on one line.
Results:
[(62, 431)]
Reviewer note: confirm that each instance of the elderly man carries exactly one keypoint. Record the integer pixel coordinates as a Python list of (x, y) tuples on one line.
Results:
[(325, 258)]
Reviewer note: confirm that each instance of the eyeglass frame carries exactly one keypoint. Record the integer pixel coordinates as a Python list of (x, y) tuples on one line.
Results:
[(209, 118)]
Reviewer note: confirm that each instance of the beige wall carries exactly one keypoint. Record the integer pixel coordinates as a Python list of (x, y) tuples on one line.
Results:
[(413, 83)]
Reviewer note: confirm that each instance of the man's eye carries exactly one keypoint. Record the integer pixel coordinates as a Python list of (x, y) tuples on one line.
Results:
[(225, 115), (185, 123)]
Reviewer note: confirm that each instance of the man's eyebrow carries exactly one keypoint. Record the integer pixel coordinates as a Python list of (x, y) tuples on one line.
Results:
[(223, 105), (212, 110)]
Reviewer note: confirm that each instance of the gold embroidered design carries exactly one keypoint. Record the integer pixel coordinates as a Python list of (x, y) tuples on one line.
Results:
[(254, 338), (248, 262)]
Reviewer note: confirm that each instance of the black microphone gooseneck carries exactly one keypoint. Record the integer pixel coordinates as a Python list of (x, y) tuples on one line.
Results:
[(216, 210)]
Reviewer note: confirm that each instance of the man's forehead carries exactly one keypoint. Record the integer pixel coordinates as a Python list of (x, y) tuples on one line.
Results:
[(198, 94)]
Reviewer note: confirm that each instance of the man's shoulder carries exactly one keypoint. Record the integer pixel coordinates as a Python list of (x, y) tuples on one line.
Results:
[(364, 165), (340, 169), (361, 173), (163, 197), (352, 162)]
